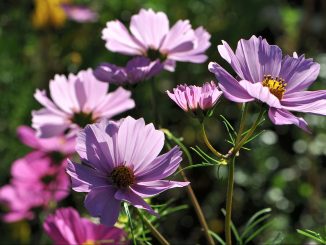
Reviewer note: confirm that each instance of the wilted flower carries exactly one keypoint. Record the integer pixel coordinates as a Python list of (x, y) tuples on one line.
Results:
[(137, 69), (79, 13), (265, 76), (77, 101), (152, 37), (120, 162), (192, 98), (65, 226), (49, 13)]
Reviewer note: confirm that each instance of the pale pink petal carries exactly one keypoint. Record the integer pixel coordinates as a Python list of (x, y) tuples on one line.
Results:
[(119, 40), (149, 27)]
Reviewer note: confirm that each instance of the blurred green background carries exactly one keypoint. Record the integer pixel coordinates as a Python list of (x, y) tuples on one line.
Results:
[(284, 170)]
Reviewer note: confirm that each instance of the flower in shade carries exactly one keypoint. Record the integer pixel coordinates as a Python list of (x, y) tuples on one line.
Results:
[(192, 98), (77, 101), (137, 69), (79, 13), (151, 36), (17, 203), (120, 162), (65, 226), (58, 147), (266, 76), (42, 179)]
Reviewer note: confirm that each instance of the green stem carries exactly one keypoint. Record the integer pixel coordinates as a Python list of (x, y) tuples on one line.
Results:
[(242, 122), (229, 203), (208, 144), (153, 230), (249, 134), (189, 189), (198, 209)]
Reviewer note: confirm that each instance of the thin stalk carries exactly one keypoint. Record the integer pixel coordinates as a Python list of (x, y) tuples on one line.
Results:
[(190, 191), (198, 209), (242, 122), (208, 144), (229, 202), (153, 230), (249, 134)]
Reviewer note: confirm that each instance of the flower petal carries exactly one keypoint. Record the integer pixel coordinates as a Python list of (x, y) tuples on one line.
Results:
[(100, 202), (130, 196), (231, 88), (119, 40), (258, 91), (151, 188), (306, 101), (138, 144), (149, 27), (298, 73), (284, 117), (257, 58)]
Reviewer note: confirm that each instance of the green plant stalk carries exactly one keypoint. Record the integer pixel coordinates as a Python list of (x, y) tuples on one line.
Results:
[(153, 230), (154, 103), (208, 144), (242, 122), (198, 209), (229, 196), (189, 189), (238, 146)]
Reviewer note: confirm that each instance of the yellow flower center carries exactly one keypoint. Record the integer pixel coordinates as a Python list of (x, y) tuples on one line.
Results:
[(275, 85)]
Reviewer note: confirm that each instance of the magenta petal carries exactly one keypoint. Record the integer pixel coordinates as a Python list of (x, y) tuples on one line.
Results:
[(83, 178), (151, 188), (284, 117), (134, 199), (258, 91), (27, 136), (231, 88), (306, 101)]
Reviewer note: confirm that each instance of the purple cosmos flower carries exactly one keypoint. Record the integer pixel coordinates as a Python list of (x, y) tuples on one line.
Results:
[(79, 13), (151, 36), (42, 179), (77, 101), (191, 98), (138, 69), (65, 226), (264, 75), (120, 162), (58, 144)]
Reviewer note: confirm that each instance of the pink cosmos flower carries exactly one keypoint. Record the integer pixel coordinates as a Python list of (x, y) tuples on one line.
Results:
[(77, 101), (65, 226), (137, 70), (120, 162), (17, 202), (191, 98), (79, 13), (38, 176), (151, 36), (60, 144), (265, 76)]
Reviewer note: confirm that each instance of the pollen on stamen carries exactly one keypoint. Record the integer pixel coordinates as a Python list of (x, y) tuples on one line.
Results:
[(275, 85), (122, 176)]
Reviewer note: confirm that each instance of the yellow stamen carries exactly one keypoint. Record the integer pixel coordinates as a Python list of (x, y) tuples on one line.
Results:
[(89, 242), (275, 85)]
